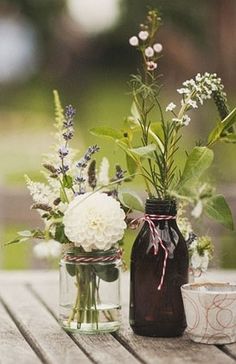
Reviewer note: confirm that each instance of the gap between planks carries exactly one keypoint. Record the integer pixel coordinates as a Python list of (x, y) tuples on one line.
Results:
[(148, 350), (100, 348), (44, 335)]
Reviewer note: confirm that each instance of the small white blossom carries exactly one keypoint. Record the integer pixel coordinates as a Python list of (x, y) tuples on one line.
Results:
[(177, 120), (149, 52), (157, 47), (40, 192), (103, 174), (47, 249), (94, 221), (143, 35), (151, 66), (182, 90), (170, 107), (197, 210), (199, 262), (186, 120), (185, 227), (133, 41), (192, 103)]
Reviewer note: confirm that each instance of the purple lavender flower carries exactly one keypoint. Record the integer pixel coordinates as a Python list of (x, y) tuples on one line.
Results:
[(68, 134), (80, 179), (68, 123), (70, 112), (63, 152), (93, 149), (81, 163), (62, 169), (119, 172)]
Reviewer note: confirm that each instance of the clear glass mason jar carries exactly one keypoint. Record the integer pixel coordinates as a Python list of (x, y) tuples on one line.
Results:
[(90, 291)]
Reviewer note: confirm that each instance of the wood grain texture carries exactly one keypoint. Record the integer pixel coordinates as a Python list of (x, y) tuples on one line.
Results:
[(13, 344), (103, 348), (147, 350), (171, 350), (40, 328), (34, 308)]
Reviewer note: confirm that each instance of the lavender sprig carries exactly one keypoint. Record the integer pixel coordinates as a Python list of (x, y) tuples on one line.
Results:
[(82, 164)]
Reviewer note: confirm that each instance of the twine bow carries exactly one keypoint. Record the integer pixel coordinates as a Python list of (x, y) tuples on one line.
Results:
[(156, 238)]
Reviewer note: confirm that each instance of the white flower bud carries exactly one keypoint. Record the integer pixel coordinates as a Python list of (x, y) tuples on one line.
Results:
[(158, 47), (143, 35), (151, 66), (133, 41), (186, 120), (149, 52), (170, 107)]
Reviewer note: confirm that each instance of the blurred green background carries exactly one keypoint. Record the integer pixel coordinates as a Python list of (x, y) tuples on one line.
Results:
[(80, 48)]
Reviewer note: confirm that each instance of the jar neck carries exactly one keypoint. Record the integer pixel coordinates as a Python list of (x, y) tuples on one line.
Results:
[(155, 206), (77, 251)]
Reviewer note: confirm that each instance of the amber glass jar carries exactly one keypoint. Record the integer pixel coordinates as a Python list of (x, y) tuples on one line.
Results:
[(153, 311)]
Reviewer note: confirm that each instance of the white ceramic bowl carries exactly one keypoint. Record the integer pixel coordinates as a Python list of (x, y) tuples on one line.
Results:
[(210, 310)]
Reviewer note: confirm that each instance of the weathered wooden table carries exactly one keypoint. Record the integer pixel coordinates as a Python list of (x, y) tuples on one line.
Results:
[(30, 333)]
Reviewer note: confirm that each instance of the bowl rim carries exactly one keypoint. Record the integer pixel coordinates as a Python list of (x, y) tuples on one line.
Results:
[(185, 288)]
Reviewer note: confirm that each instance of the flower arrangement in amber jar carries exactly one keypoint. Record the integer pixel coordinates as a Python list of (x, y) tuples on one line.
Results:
[(151, 138)]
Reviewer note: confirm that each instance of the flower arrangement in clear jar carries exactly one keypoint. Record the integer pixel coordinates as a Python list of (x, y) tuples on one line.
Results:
[(151, 139), (84, 220)]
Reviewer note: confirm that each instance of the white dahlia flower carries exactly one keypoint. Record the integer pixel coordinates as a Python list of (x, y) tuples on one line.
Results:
[(94, 221)]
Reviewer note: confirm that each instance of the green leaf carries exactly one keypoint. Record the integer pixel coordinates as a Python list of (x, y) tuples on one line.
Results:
[(215, 134), (108, 273), (230, 138), (26, 233), (221, 127), (229, 120), (131, 200), (144, 152), (135, 113), (157, 129), (60, 234), (62, 196), (106, 131), (131, 165), (71, 269), (67, 181), (218, 209), (197, 162)]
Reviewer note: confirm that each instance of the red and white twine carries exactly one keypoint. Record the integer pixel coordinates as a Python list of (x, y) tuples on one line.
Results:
[(93, 259), (156, 238)]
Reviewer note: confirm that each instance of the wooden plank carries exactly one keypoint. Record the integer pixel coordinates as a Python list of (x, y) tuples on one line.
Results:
[(147, 350), (13, 347), (165, 351), (40, 328), (103, 348)]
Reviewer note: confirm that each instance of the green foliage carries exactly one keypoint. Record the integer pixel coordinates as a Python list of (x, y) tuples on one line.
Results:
[(144, 152), (131, 200), (106, 131), (106, 272), (26, 235), (67, 181), (60, 234), (218, 133), (131, 165), (196, 164), (218, 209)]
